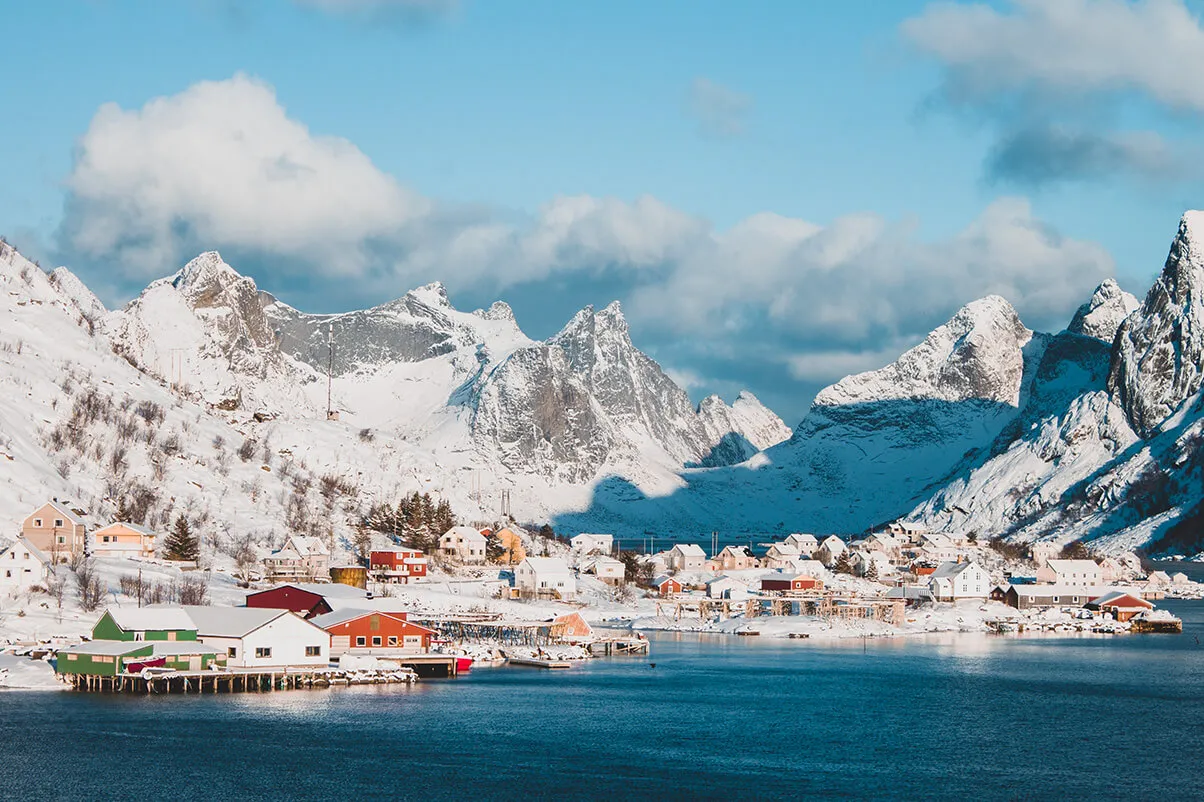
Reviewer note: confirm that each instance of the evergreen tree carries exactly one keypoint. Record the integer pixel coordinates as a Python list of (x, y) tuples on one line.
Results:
[(182, 544), (843, 564), (871, 573)]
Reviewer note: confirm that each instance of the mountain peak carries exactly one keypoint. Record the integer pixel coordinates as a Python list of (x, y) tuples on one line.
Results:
[(433, 294), (1101, 316), (204, 270), (977, 354)]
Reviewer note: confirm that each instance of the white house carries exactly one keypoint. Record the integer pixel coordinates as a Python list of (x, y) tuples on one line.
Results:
[(1071, 573), (586, 543), (907, 529), (781, 557), (464, 543), (829, 550), (256, 637), (725, 587), (22, 566), (938, 548), (1043, 550), (886, 543), (545, 576), (299, 558), (860, 561), (687, 557), (806, 544), (959, 580), (608, 569)]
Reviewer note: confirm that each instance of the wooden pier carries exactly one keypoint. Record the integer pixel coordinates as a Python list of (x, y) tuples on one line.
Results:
[(619, 645), (235, 681), (824, 604)]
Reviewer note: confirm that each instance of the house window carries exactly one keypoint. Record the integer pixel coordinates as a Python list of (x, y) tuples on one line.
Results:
[(376, 641), (263, 651), (72, 657), (37, 522), (313, 651), (8, 574), (62, 539), (231, 652), (360, 640), (392, 640), (58, 521)]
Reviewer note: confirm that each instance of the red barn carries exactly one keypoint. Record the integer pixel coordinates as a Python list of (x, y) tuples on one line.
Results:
[(397, 565), (796, 582), (306, 600), (366, 632), (666, 585)]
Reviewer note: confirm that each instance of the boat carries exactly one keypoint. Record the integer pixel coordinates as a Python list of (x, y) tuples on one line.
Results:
[(463, 664)]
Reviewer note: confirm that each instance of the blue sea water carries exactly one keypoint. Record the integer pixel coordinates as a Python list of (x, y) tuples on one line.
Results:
[(953, 717)]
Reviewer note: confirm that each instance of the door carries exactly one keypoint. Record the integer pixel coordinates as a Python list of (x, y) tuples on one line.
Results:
[(194, 663)]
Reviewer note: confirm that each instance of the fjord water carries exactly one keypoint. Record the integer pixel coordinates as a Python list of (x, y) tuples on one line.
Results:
[(940, 717)]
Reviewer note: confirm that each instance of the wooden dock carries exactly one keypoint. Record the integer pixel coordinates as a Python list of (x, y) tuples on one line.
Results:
[(619, 646), (232, 681), (536, 663)]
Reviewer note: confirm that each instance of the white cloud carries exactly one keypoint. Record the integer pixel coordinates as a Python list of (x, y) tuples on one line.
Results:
[(221, 162), (1068, 46), (861, 281), (720, 111)]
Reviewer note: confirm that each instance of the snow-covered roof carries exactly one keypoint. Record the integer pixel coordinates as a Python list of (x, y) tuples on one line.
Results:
[(739, 551), (66, 512), (142, 530), (785, 550), (34, 551), (141, 619), (305, 546), (546, 565), (689, 550), (349, 614), (465, 533), (1065, 566), (1041, 591), (165, 648), (112, 648), (328, 590), (231, 622), (725, 580), (662, 579), (910, 592), (952, 569), (1117, 595)]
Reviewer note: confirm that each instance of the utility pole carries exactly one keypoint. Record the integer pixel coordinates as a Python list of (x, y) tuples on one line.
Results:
[(329, 370)]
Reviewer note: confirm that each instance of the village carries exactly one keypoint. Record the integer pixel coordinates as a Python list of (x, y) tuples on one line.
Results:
[(106, 610)]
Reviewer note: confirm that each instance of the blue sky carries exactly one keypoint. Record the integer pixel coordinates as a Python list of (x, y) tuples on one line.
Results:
[(778, 192)]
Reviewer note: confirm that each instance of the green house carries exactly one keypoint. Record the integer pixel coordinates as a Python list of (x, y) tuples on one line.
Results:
[(144, 623), (109, 658)]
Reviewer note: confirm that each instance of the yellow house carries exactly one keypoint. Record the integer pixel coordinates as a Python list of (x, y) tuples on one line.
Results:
[(55, 529), (513, 552), (123, 539)]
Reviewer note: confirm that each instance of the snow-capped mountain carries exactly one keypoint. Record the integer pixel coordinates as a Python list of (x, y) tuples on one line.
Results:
[(986, 426)]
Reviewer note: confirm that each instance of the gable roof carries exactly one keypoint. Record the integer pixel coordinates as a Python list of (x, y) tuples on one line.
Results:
[(948, 570), (37, 553), (1062, 566), (66, 512), (142, 530), (785, 550), (142, 619), (1041, 591), (112, 648), (231, 622), (337, 617), (1118, 596), (550, 565), (689, 550), (662, 579), (465, 533), (324, 589), (726, 580)]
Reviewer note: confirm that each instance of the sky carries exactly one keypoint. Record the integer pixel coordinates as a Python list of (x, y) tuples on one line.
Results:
[(778, 193)]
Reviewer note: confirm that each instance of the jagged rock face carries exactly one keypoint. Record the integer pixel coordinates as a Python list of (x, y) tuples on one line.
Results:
[(537, 414), (420, 325), (1158, 357), (739, 431), (1102, 315), (978, 354), (71, 288)]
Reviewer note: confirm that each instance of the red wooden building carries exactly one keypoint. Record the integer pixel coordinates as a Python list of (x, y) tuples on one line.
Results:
[(797, 582), (666, 585), (307, 600), (365, 632), (397, 565)]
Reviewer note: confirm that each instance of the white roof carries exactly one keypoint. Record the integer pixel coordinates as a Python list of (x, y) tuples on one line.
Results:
[(142, 530), (66, 511), (1058, 590), (584, 536), (341, 616), (726, 580), (951, 569), (832, 540), (786, 550), (109, 647), (465, 533), (1063, 566), (327, 590), (546, 565), (689, 550), (37, 553), (231, 622), (141, 619)]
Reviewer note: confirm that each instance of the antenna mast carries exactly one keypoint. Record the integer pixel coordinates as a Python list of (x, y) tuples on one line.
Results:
[(329, 369)]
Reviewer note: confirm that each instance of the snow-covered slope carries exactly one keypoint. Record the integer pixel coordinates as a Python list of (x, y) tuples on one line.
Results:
[(1101, 316)]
